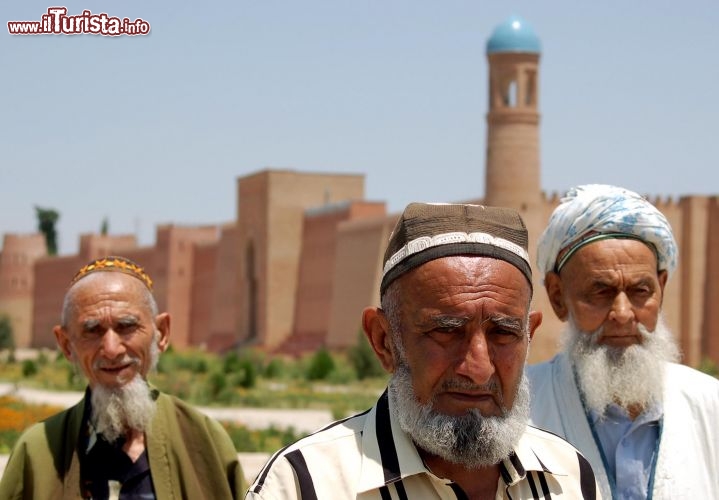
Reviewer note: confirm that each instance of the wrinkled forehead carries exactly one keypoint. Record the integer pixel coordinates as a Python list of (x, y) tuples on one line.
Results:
[(456, 278), (106, 288), (611, 255), (108, 282)]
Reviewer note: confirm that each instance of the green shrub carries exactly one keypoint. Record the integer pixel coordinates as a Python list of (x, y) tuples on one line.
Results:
[(241, 369), (231, 363), (7, 340), (196, 363), (320, 366), (216, 383), (246, 374), (29, 368), (364, 360), (275, 369)]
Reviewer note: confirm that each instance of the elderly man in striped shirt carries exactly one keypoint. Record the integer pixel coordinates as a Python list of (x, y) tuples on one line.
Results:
[(454, 331)]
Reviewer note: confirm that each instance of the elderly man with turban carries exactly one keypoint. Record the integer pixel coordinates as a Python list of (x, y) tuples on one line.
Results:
[(647, 425)]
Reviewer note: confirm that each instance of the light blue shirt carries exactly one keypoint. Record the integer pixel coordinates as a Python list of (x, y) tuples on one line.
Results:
[(633, 444)]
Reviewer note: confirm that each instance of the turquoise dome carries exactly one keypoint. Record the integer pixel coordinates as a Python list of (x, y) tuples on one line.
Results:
[(514, 35)]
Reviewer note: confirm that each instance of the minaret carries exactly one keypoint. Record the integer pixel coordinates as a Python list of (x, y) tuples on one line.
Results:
[(512, 168)]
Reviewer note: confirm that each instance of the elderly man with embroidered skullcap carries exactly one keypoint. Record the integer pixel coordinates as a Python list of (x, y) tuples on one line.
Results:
[(124, 439), (453, 329), (647, 424)]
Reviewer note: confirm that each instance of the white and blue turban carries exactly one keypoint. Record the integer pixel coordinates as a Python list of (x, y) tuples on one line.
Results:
[(596, 211)]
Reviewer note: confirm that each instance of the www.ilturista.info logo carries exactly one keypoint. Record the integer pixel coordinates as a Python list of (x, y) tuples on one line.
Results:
[(57, 22)]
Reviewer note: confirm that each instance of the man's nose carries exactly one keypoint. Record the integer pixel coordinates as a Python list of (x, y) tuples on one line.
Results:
[(622, 310), (112, 345), (477, 360)]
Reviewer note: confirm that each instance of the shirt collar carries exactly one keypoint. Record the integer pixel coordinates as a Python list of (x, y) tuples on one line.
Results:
[(530, 455), (389, 454), (653, 413)]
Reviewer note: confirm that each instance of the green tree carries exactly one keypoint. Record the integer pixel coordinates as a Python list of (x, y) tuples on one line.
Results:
[(46, 220), (6, 335), (104, 226)]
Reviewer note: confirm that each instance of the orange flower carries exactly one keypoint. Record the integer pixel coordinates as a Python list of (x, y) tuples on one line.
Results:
[(16, 415)]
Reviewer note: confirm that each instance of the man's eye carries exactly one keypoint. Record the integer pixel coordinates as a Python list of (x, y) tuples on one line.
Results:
[(505, 335), (446, 329), (129, 328), (444, 334)]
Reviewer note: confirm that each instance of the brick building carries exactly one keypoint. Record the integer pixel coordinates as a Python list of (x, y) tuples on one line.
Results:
[(303, 256)]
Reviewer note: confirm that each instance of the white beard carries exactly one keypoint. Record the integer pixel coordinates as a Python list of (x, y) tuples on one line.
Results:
[(117, 410), (470, 440), (627, 376)]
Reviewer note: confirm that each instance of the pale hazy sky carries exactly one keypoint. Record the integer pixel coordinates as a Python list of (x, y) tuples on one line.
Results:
[(156, 129)]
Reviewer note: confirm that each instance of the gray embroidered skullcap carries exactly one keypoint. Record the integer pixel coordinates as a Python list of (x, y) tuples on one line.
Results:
[(428, 231), (594, 212)]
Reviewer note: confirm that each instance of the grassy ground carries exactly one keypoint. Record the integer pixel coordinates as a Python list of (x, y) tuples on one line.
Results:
[(209, 380), (248, 380)]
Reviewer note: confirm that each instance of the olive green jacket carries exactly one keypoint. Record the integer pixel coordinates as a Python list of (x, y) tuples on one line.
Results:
[(191, 456)]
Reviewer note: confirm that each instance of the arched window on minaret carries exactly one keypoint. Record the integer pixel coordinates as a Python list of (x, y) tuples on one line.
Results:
[(510, 94), (530, 96)]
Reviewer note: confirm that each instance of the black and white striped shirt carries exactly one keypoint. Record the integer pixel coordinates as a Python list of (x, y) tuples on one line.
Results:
[(368, 456)]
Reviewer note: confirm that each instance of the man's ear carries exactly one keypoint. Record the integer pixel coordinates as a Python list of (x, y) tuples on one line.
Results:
[(535, 319), (553, 284), (662, 276), (376, 329), (63, 342), (162, 323)]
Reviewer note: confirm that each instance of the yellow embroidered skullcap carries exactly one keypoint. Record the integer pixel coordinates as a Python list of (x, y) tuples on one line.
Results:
[(115, 264)]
